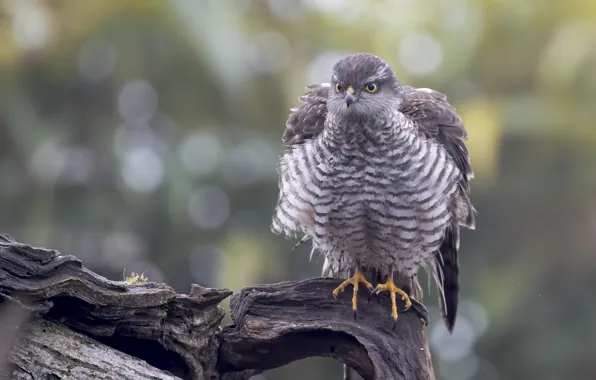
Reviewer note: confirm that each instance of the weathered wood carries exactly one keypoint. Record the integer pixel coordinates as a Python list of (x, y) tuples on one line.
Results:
[(174, 332), (71, 323), (49, 350), (279, 323)]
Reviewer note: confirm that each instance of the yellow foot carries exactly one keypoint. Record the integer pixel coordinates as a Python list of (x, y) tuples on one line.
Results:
[(392, 289), (355, 281)]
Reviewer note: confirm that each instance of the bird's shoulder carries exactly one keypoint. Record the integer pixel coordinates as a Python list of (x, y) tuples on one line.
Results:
[(436, 118), (307, 120)]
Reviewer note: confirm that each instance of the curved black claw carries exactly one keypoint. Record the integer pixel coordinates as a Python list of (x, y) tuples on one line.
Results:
[(373, 293), (420, 310), (407, 308)]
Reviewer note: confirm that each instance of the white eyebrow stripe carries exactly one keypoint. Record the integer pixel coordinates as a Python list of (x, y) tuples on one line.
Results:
[(380, 73)]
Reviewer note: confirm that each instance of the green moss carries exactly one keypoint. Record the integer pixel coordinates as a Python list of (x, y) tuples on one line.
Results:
[(136, 279)]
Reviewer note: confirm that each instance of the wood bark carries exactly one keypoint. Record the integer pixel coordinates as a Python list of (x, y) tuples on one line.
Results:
[(279, 323), (62, 321), (50, 350)]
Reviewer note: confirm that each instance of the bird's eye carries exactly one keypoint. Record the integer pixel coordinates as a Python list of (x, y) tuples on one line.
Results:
[(339, 87), (371, 87)]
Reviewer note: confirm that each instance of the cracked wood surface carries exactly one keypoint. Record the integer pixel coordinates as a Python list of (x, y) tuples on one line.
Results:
[(50, 350), (280, 323)]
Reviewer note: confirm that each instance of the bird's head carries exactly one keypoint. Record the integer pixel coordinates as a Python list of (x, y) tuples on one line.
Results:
[(362, 86)]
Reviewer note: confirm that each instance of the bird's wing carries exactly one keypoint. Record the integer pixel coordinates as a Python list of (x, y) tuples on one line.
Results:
[(437, 119), (307, 120)]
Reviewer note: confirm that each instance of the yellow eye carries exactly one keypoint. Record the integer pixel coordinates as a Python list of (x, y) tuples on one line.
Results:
[(371, 87), (339, 87)]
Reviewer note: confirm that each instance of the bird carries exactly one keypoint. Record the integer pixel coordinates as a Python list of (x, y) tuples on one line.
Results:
[(375, 174)]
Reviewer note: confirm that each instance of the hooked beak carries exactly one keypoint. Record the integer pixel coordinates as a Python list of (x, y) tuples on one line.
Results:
[(349, 98)]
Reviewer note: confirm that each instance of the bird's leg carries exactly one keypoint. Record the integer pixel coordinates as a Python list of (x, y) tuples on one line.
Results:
[(355, 281), (392, 289)]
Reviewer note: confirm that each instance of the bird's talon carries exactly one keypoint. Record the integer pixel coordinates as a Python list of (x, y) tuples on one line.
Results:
[(408, 304), (355, 280), (393, 290)]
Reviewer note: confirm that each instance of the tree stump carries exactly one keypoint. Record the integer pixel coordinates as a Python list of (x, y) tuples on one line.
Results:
[(62, 321)]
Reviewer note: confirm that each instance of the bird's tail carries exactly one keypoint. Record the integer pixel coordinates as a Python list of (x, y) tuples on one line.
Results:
[(446, 274)]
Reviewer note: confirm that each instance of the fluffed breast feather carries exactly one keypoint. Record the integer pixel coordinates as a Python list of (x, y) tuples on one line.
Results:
[(428, 108)]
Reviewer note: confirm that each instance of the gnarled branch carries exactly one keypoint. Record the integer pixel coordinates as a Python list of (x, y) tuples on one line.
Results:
[(280, 323), (173, 332)]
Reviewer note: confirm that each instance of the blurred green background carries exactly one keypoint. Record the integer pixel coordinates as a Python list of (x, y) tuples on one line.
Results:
[(143, 135)]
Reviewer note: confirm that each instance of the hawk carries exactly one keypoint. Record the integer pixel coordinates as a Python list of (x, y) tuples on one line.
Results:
[(376, 175)]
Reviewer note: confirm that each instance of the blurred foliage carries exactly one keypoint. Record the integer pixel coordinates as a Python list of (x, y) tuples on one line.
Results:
[(142, 135)]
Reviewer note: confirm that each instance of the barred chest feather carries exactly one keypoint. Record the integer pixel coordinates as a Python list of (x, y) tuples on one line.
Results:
[(381, 202)]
